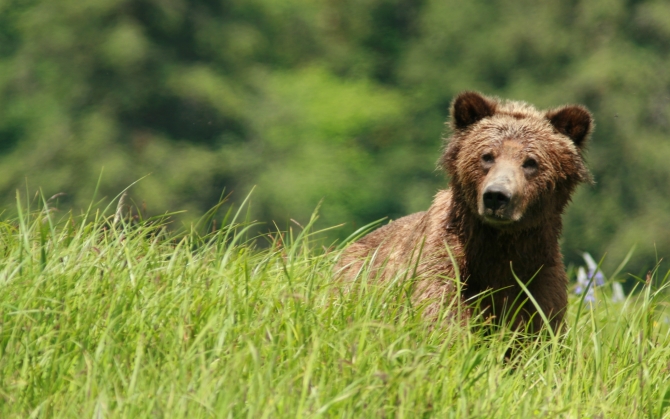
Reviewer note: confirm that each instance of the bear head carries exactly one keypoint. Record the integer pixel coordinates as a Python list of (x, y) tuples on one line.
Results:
[(511, 164)]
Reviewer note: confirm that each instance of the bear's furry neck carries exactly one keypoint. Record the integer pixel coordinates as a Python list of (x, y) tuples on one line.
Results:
[(490, 258)]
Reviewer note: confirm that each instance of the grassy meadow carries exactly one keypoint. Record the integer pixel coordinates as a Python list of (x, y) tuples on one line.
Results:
[(106, 316)]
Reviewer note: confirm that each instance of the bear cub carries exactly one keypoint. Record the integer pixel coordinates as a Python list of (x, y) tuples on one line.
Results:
[(512, 171)]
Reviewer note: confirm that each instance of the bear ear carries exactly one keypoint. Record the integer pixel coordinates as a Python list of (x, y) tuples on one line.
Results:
[(470, 107), (573, 121)]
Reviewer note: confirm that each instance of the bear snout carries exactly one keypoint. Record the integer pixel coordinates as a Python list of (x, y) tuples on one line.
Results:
[(501, 196), (500, 200), (496, 198)]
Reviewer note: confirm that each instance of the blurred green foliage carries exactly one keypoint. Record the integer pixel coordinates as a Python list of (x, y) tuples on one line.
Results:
[(339, 100)]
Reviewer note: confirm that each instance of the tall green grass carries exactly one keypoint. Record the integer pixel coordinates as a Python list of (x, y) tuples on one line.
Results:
[(104, 317)]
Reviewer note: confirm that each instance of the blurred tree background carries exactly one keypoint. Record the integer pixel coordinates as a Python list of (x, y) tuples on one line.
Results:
[(340, 100)]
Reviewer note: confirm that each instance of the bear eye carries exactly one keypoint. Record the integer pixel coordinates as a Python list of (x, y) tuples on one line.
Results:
[(488, 158), (530, 164)]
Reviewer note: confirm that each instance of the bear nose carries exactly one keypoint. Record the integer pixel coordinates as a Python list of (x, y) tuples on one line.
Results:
[(496, 197)]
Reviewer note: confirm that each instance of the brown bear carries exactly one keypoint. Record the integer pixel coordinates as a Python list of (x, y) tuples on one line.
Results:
[(513, 169)]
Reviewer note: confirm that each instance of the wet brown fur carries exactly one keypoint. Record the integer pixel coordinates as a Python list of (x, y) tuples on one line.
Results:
[(511, 133)]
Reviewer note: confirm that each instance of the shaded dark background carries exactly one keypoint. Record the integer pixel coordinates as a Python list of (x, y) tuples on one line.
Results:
[(340, 100)]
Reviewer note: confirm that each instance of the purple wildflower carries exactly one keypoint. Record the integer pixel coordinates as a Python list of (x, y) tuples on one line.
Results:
[(587, 280), (598, 277), (583, 284), (590, 277)]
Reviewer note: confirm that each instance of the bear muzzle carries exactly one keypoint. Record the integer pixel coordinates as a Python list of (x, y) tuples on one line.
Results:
[(496, 198), (499, 201), (496, 204)]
